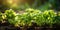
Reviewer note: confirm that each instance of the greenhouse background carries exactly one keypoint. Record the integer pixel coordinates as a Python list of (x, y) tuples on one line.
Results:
[(29, 14)]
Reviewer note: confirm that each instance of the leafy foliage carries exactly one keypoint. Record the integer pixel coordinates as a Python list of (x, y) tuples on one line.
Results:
[(30, 16), (11, 17), (57, 18), (10, 14), (49, 17)]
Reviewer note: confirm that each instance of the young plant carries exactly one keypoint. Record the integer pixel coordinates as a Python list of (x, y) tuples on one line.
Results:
[(11, 17), (10, 14), (49, 17), (35, 16)]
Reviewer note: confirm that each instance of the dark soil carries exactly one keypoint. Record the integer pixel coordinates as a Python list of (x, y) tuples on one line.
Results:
[(7, 26)]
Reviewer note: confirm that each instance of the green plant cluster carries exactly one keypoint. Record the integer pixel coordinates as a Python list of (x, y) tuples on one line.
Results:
[(48, 17)]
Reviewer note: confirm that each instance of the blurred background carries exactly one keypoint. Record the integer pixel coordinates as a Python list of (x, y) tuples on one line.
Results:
[(24, 4)]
